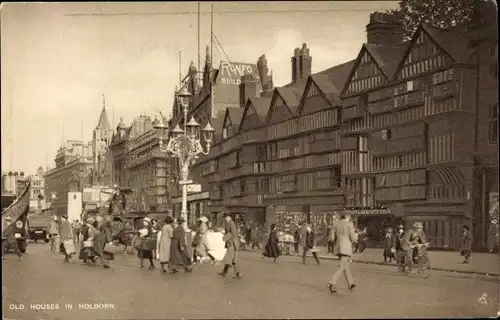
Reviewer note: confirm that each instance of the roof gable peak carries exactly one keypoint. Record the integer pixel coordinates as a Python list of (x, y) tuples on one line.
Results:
[(364, 56), (277, 101)]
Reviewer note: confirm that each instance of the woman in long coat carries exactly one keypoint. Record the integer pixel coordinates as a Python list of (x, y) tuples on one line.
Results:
[(272, 246), (165, 241), (179, 257), (103, 237)]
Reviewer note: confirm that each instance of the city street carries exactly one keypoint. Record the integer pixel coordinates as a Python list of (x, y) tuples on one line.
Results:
[(268, 290)]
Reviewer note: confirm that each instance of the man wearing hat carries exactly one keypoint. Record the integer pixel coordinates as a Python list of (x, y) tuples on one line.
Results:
[(66, 233), (417, 240), (389, 246), (232, 240), (403, 249), (118, 201)]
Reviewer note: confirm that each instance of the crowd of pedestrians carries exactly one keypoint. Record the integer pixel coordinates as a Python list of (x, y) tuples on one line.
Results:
[(168, 242)]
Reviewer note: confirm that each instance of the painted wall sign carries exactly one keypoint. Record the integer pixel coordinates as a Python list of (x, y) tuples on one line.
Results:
[(231, 72)]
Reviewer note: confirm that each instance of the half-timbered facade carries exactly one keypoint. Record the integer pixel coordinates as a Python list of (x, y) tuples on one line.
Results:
[(408, 133)]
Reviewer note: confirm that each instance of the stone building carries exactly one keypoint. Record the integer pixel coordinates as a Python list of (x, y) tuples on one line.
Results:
[(138, 164), (73, 171)]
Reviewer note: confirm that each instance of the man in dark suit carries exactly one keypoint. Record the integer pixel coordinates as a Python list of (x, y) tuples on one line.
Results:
[(402, 246), (232, 240), (310, 244)]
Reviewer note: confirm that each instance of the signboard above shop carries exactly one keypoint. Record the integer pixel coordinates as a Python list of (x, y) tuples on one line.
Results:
[(367, 211)]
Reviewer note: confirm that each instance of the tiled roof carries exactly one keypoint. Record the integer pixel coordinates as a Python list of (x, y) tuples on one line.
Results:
[(452, 41), (387, 57), (261, 106), (235, 114), (332, 80), (291, 95)]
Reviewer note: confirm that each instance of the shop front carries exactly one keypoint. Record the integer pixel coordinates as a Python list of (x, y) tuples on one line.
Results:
[(376, 221), (443, 224)]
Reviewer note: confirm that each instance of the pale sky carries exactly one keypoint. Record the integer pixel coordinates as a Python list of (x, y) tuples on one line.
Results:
[(56, 66)]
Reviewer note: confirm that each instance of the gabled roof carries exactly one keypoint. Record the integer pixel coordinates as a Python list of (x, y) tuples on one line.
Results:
[(451, 41), (236, 115), (261, 106), (277, 93), (331, 81), (386, 57), (291, 96)]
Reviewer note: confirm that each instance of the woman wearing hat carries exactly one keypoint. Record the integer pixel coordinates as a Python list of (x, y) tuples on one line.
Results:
[(272, 246), (148, 243), (179, 256), (165, 241), (201, 242)]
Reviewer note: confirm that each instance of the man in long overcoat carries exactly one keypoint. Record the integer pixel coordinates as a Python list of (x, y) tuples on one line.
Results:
[(232, 240), (466, 244)]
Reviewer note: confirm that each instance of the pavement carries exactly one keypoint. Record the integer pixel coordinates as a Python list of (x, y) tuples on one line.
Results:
[(286, 289), (480, 263)]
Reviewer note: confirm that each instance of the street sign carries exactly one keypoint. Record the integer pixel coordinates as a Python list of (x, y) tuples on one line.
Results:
[(194, 188), (183, 182)]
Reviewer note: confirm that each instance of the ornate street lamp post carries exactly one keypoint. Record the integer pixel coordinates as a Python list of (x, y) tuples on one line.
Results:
[(184, 143)]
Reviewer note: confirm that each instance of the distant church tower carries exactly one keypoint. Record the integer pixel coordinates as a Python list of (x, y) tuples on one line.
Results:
[(101, 139)]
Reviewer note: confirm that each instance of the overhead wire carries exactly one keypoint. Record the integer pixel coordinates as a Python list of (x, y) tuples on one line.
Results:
[(219, 12), (222, 48)]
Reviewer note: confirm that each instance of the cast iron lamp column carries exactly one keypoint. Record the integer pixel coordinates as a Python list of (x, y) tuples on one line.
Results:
[(184, 143)]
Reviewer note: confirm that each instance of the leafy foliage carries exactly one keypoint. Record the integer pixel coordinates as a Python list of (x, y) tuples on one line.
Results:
[(441, 14)]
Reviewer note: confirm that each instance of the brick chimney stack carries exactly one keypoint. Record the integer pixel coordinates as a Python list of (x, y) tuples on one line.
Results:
[(301, 63), (248, 88), (266, 79), (385, 29)]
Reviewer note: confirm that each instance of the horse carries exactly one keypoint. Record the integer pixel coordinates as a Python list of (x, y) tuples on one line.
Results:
[(125, 239)]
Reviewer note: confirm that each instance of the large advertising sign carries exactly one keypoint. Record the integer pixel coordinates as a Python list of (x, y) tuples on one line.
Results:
[(231, 72)]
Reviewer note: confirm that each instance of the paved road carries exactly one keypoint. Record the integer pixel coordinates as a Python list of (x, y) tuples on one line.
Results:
[(268, 290)]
